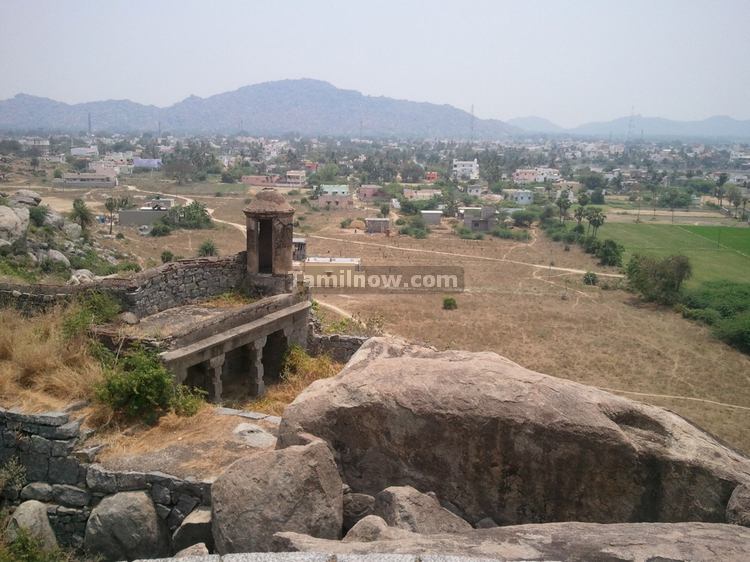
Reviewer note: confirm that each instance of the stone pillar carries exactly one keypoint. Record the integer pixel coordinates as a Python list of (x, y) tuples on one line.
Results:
[(283, 246), (251, 222), (257, 386), (216, 367)]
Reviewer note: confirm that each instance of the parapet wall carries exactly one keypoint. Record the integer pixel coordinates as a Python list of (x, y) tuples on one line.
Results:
[(172, 284), (61, 472)]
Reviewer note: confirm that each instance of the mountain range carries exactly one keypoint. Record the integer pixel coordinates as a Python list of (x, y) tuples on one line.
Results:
[(312, 107)]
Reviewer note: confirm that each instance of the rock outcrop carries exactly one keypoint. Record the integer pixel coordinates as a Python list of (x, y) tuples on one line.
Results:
[(356, 507), (493, 439), (194, 529), (409, 509), (125, 525), (31, 516), (294, 489), (738, 508), (552, 541), (13, 223)]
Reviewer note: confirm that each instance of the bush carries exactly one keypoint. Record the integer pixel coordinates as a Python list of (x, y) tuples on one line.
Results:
[(590, 245), (523, 217), (704, 315), (25, 547), (129, 266), (12, 476), (508, 234), (590, 278), (208, 248), (186, 401), (735, 331), (346, 223), (726, 297), (120, 236), (167, 256), (160, 229), (449, 303), (140, 388), (610, 253), (658, 279), (89, 309), (38, 215)]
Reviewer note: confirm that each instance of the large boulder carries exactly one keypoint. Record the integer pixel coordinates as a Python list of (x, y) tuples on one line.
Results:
[(53, 218), (407, 508), (126, 526), (31, 516), (58, 257), (72, 230), (194, 529), (13, 223), (493, 439), (356, 507), (295, 489), (551, 541), (25, 197), (738, 508)]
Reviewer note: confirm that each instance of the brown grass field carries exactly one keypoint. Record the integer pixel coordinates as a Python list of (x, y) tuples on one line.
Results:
[(541, 318)]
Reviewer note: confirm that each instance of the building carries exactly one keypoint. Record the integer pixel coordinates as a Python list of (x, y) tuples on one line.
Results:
[(147, 163), (466, 169), (85, 151), (331, 189), (377, 225), (333, 201), (39, 146), (519, 196), (297, 178), (431, 177), (431, 218), (421, 194), (484, 221), (260, 181), (138, 217), (475, 190), (369, 193), (535, 175), (87, 180)]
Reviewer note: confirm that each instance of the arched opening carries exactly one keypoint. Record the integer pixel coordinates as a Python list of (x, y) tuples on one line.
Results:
[(273, 356), (236, 374), (265, 246)]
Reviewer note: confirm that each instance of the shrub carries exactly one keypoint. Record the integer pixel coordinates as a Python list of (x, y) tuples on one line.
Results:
[(523, 217), (120, 236), (735, 331), (51, 267), (449, 303), (656, 279), (187, 401), (346, 223), (726, 297), (167, 256), (160, 229), (590, 244), (38, 215), (400, 222), (704, 315), (129, 266), (139, 388), (610, 253), (89, 309), (590, 278), (208, 248), (25, 547), (12, 475)]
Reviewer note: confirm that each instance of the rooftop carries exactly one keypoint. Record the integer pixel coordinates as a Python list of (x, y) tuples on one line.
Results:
[(268, 201)]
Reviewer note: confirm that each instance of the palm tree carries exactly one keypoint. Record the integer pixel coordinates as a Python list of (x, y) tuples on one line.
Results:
[(111, 204), (596, 218), (579, 214), (81, 214), (563, 203)]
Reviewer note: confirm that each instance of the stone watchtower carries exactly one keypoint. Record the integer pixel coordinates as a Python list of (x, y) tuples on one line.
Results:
[(269, 221)]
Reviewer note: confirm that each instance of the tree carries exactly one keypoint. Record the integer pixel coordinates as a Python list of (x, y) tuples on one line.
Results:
[(180, 170), (57, 173), (595, 217), (583, 199), (411, 172), (114, 204), (34, 162), (610, 253), (81, 214), (658, 279), (597, 197), (579, 214), (208, 248), (327, 173), (385, 210), (563, 204), (720, 190), (734, 196), (523, 217)]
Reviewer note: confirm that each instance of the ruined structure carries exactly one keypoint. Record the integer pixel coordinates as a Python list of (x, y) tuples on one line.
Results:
[(234, 350)]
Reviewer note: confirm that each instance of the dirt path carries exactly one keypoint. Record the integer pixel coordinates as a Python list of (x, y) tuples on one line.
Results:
[(670, 396), (465, 256)]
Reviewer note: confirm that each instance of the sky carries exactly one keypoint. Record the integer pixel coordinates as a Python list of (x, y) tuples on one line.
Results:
[(569, 61)]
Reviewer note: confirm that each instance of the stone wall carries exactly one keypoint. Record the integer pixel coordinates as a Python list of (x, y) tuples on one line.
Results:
[(61, 471), (339, 346), (172, 284)]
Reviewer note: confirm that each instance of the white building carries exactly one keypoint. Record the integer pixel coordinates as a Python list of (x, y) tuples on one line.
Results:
[(85, 151), (466, 169), (519, 196)]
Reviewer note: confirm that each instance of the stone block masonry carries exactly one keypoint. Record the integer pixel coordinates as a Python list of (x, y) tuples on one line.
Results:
[(151, 291), (61, 472)]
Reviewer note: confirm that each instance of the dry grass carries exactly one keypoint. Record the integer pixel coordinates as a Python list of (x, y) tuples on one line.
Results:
[(300, 371), (550, 322), (39, 368)]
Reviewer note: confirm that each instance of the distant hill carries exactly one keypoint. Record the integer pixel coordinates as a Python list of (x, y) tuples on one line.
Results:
[(308, 107), (534, 124), (712, 127)]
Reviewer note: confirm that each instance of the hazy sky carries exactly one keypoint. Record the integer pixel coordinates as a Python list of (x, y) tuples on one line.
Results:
[(570, 61)]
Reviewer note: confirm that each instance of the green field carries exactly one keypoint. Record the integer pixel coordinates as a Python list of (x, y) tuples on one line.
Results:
[(715, 252)]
